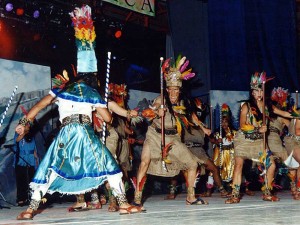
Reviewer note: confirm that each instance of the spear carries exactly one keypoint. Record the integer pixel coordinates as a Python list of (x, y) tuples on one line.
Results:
[(163, 117), (264, 135), (297, 99)]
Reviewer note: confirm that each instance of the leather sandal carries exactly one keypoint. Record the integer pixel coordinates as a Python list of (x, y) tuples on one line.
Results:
[(129, 210), (170, 197), (296, 196), (25, 215), (103, 200), (198, 201), (139, 205), (232, 200), (84, 207), (113, 207), (94, 205), (205, 194), (250, 193), (225, 194), (270, 198)]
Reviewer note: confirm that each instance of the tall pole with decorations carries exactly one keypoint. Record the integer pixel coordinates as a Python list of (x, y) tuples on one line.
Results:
[(8, 105), (106, 92)]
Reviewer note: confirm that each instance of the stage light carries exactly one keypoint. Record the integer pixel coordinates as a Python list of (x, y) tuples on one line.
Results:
[(118, 34), (20, 11), (36, 14), (9, 7)]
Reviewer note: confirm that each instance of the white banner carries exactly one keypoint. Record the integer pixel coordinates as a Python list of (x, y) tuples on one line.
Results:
[(146, 7)]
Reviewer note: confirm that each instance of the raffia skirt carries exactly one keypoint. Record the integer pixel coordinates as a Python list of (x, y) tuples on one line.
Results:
[(124, 155), (181, 157), (290, 144), (80, 161), (247, 148), (276, 147), (111, 141)]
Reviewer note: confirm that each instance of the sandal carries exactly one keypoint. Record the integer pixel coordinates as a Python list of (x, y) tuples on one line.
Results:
[(225, 194), (198, 201), (205, 194), (25, 215), (270, 198), (103, 200), (170, 197), (250, 193), (94, 205), (79, 208), (129, 210), (113, 207), (232, 200), (139, 205), (296, 196)]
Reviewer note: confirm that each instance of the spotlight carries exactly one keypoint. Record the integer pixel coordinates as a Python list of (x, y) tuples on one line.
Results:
[(118, 34), (9, 7), (36, 14), (20, 11)]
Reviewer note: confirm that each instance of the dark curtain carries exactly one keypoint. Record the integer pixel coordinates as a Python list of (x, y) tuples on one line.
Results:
[(252, 35), (189, 35)]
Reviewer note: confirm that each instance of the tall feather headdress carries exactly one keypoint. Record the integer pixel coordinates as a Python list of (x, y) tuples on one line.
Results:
[(174, 73), (85, 39)]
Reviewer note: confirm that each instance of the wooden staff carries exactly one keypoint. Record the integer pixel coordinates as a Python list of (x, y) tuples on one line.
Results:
[(162, 145), (264, 113), (264, 135), (297, 99), (211, 117)]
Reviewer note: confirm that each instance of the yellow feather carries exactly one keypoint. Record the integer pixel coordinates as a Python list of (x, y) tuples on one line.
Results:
[(180, 63), (178, 124), (186, 72)]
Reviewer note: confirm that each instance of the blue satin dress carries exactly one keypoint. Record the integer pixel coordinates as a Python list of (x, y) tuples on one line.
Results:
[(80, 161)]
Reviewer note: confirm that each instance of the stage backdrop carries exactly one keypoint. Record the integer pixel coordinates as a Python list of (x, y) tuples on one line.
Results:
[(34, 82)]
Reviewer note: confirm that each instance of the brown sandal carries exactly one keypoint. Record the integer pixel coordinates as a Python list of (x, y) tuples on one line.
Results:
[(25, 215), (198, 201), (205, 194), (103, 200), (232, 200), (270, 198), (84, 207), (225, 194), (296, 196), (129, 210), (92, 205), (170, 197), (250, 193)]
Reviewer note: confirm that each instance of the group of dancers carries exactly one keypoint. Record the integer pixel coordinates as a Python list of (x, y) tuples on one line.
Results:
[(83, 155)]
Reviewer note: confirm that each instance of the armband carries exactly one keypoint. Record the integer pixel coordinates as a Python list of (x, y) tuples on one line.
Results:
[(24, 122), (129, 114)]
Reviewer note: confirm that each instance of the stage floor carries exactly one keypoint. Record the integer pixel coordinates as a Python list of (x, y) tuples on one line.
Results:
[(251, 210)]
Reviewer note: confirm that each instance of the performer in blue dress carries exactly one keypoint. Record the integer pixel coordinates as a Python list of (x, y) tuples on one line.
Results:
[(76, 161)]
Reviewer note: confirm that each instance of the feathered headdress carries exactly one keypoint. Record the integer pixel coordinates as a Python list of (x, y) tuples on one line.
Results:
[(280, 96), (257, 80), (118, 93), (60, 81), (85, 39), (225, 110), (174, 73)]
